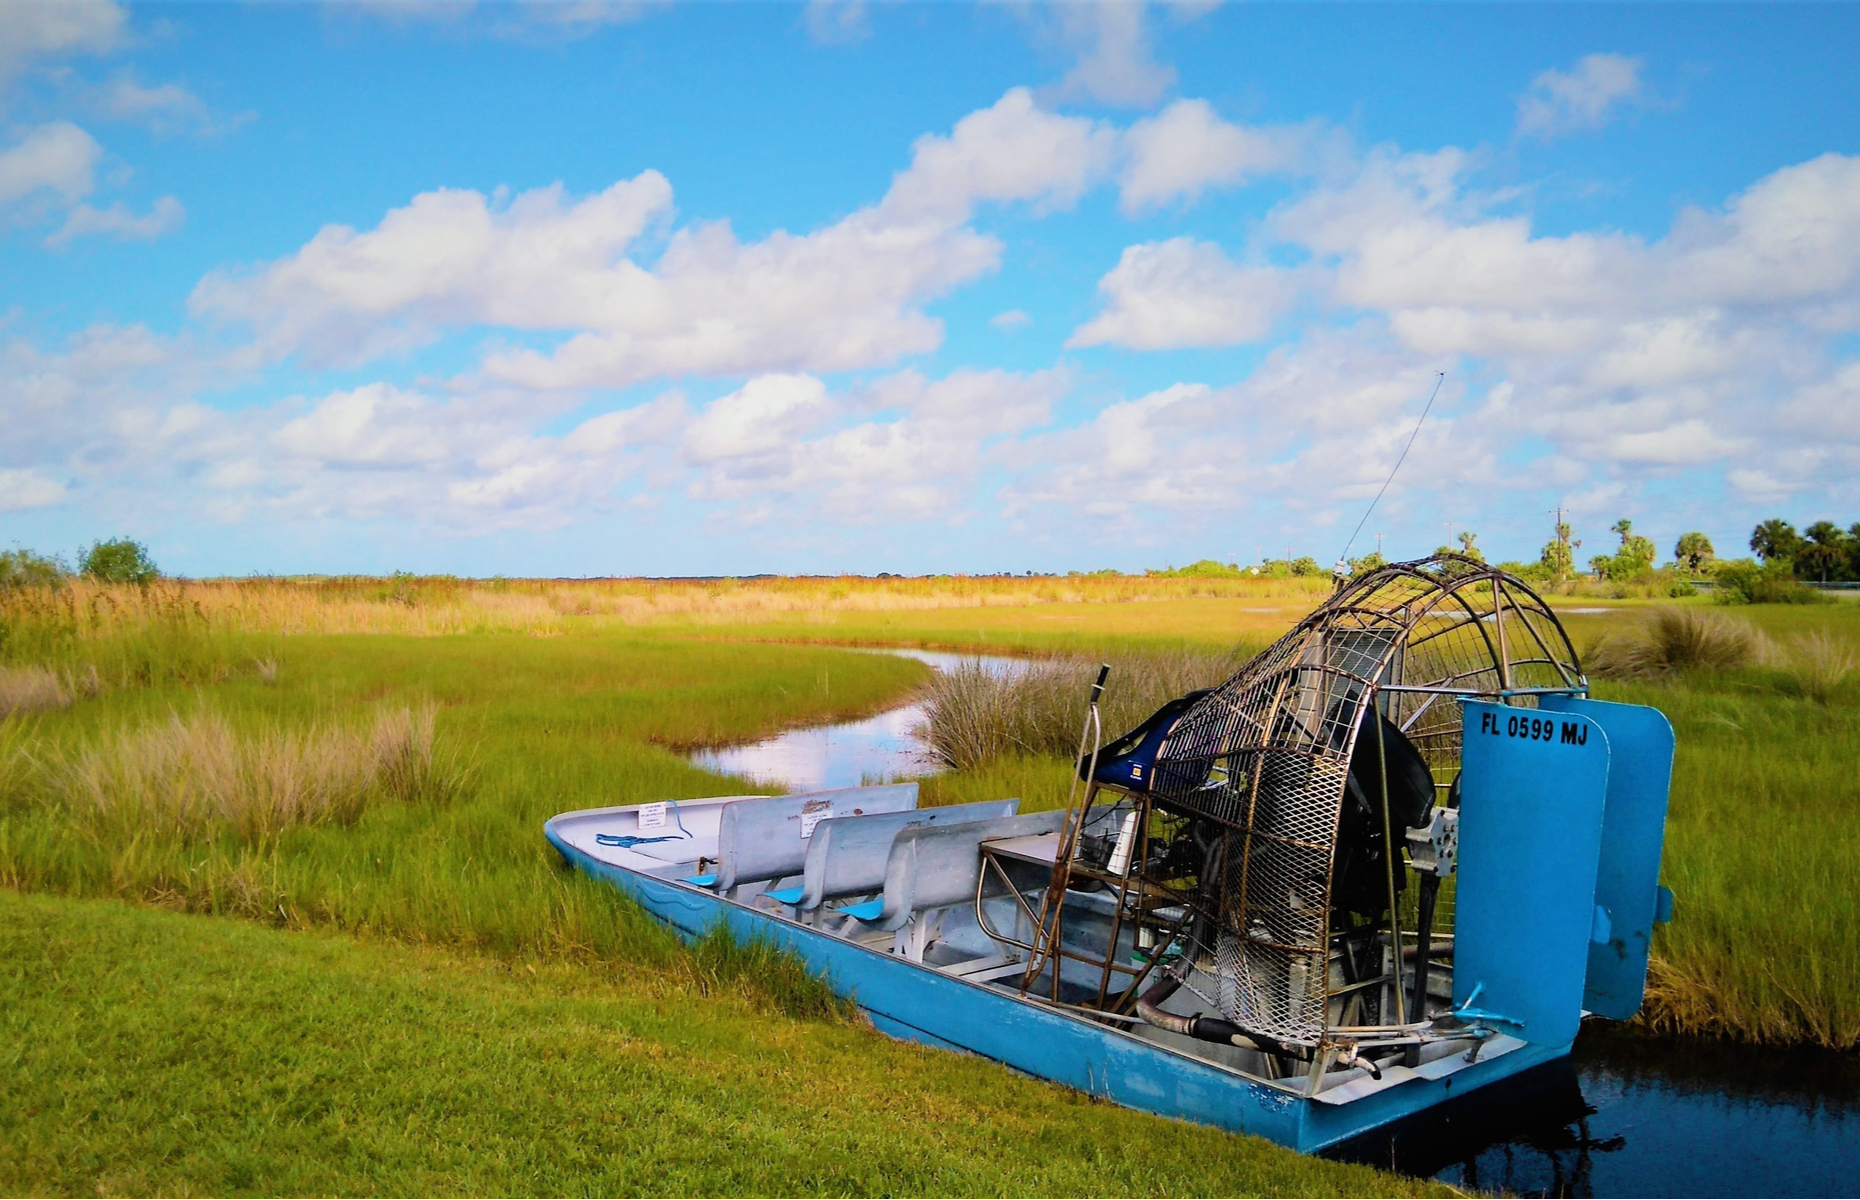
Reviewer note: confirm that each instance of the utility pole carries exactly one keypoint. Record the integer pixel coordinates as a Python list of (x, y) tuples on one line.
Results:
[(1450, 535), (1379, 538)]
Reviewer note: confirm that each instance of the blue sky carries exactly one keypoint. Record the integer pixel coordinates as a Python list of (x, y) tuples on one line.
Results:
[(578, 288)]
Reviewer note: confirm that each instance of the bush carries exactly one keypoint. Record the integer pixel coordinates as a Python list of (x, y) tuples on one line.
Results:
[(1676, 639), (1744, 582), (119, 560), (23, 568)]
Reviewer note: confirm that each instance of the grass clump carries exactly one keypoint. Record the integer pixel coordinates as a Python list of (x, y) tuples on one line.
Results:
[(1822, 664), (191, 777), (30, 689), (1672, 639), (974, 715)]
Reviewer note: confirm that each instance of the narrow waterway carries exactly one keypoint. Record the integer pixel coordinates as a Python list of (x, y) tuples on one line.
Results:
[(1623, 1116), (876, 750)]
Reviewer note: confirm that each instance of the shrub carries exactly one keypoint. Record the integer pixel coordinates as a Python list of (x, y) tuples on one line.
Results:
[(119, 560), (1676, 639), (1745, 582), (23, 568)]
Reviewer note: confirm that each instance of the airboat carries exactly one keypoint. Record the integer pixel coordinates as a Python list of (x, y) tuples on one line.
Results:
[(1396, 858)]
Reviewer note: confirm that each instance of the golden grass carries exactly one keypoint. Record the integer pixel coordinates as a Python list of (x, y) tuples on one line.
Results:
[(86, 611), (31, 689), (1673, 639), (195, 776), (1822, 663)]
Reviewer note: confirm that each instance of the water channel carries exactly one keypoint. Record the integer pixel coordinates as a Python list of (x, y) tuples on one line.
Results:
[(1624, 1116)]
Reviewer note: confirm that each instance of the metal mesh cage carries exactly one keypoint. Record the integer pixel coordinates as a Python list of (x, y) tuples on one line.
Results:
[(1267, 755)]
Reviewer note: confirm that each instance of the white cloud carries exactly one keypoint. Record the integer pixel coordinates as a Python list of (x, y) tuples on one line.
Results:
[(20, 490), (1179, 293), (57, 157), (925, 445), (763, 417), (165, 109), (1187, 148), (1013, 150), (30, 30), (837, 22), (1714, 344), (843, 297), (1584, 97), (1115, 66), (119, 222), (1011, 320)]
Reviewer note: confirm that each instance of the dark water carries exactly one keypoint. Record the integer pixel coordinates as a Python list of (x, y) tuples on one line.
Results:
[(1624, 1116), (1634, 1116)]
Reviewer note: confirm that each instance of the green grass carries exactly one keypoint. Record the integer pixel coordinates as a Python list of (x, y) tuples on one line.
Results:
[(148, 1053), (1762, 838), (545, 725)]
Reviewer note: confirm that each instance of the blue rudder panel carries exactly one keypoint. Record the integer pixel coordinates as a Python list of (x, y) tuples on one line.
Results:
[(1532, 796), (1627, 887)]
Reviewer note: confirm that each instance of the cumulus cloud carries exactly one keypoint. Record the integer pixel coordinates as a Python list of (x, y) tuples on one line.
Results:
[(57, 158), (843, 297), (1625, 353), (1187, 148), (1179, 293), (1586, 96), (905, 447), (30, 31), (20, 490), (1012, 150), (119, 222), (1115, 64)]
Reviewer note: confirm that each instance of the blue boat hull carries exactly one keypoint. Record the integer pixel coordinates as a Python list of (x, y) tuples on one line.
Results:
[(916, 1002)]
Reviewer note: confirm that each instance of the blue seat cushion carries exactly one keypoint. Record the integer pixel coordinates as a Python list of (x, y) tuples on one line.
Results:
[(871, 910), (700, 880), (787, 895)]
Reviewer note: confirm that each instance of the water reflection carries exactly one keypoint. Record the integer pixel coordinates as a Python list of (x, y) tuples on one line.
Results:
[(875, 750), (1632, 1116)]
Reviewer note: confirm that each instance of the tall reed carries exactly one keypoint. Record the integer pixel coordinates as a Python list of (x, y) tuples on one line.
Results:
[(974, 715), (195, 776)]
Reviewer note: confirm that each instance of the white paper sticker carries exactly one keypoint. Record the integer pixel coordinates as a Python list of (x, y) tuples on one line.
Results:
[(813, 812), (652, 816)]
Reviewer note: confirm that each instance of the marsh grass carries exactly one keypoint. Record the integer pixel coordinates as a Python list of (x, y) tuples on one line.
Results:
[(1763, 829), (229, 815), (1672, 639), (974, 715), (30, 689), (189, 777), (1822, 664)]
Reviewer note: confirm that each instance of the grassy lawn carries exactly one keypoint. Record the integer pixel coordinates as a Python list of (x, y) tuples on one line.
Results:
[(149, 1053)]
